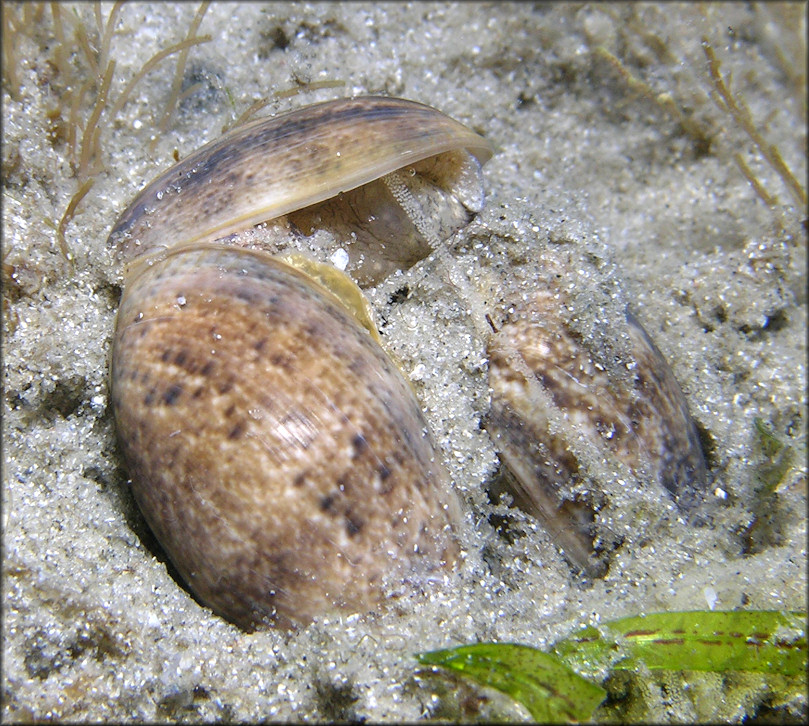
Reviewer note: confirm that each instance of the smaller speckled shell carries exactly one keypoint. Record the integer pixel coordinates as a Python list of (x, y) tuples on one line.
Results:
[(275, 450), (639, 417)]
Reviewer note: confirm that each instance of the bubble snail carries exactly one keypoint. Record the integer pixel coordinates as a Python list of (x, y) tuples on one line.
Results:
[(274, 448)]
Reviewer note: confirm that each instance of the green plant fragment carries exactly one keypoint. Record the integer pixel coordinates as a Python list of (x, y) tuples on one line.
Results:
[(549, 689), (769, 443), (760, 641), (780, 457)]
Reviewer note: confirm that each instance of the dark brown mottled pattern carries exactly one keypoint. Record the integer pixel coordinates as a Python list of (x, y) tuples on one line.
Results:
[(283, 451)]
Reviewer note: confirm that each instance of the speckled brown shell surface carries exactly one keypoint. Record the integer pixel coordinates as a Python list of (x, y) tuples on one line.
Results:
[(275, 450), (574, 409)]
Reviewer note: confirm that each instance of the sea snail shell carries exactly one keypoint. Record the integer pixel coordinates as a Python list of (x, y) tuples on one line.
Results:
[(275, 450), (388, 177)]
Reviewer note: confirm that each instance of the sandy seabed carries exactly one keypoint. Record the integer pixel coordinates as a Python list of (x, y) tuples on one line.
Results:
[(599, 116)]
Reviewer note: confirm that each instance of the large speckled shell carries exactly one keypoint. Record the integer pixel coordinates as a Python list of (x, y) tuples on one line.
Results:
[(555, 407), (329, 165), (274, 449)]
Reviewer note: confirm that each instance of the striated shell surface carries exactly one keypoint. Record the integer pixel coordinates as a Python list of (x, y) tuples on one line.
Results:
[(389, 178), (558, 405), (275, 450)]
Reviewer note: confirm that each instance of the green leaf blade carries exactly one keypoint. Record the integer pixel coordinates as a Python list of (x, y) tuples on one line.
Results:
[(549, 690), (754, 641)]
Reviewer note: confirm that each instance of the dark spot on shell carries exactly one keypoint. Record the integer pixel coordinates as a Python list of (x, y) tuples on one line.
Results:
[(207, 368), (357, 366), (360, 444), (281, 360), (246, 294), (237, 430), (198, 392), (384, 472), (230, 410), (166, 355), (226, 386), (390, 486), (353, 524), (172, 394), (326, 503), (313, 329), (259, 345), (180, 358), (299, 480)]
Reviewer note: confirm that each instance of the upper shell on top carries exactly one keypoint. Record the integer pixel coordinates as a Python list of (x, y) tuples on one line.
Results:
[(273, 166)]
